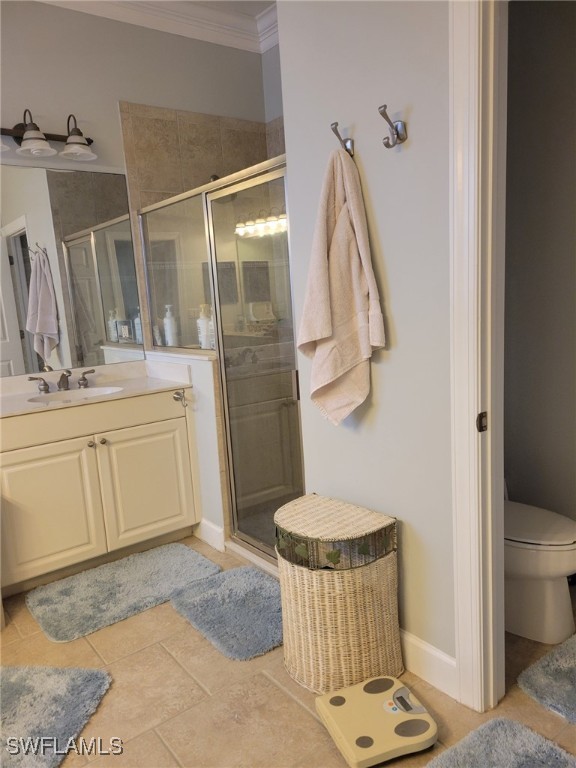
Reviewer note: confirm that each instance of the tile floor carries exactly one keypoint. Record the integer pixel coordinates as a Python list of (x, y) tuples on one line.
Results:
[(176, 701)]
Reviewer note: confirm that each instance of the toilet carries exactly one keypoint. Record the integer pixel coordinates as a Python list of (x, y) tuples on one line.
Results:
[(539, 555)]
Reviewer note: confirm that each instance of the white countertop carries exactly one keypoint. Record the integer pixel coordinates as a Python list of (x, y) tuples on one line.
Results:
[(133, 379)]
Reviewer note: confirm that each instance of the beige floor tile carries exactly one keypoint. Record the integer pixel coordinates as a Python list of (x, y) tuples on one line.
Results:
[(16, 608), (137, 632), (517, 705), (207, 665), (250, 724), (147, 688), (566, 738), (225, 560), (9, 634), (280, 677), (454, 720), (37, 650), (145, 751)]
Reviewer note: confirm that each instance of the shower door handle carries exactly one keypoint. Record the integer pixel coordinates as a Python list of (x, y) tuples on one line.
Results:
[(295, 385)]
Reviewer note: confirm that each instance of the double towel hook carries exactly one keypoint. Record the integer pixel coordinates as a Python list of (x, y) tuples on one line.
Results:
[(398, 133)]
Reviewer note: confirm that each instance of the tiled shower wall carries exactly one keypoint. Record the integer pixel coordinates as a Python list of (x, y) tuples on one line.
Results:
[(168, 152)]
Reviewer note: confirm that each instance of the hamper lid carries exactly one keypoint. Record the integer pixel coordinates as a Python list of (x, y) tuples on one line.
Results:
[(326, 519)]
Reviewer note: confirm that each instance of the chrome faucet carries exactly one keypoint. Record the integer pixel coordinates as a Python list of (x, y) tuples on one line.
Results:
[(63, 382), (83, 381), (43, 386)]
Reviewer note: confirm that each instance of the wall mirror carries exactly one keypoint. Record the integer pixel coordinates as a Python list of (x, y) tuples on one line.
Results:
[(79, 220)]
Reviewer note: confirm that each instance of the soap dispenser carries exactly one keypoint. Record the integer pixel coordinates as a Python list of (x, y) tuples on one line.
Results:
[(170, 332), (138, 326), (112, 327), (203, 324)]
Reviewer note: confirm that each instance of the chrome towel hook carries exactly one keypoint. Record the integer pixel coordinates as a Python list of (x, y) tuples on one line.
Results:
[(347, 144), (398, 133)]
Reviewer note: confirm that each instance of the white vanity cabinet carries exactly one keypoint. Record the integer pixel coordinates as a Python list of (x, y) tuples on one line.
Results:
[(74, 498)]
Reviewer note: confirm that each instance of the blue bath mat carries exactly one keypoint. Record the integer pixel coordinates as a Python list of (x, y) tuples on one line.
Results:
[(552, 680), (504, 743), (44, 709), (83, 603), (238, 610)]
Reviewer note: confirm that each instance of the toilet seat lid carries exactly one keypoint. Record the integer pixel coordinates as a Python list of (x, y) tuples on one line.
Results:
[(534, 525)]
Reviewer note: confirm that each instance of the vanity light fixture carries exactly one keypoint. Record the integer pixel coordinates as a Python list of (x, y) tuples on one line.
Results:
[(77, 147), (271, 224), (33, 143)]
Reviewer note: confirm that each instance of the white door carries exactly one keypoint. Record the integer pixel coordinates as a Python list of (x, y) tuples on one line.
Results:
[(11, 355)]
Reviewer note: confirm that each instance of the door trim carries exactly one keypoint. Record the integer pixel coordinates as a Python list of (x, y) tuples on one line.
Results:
[(478, 48)]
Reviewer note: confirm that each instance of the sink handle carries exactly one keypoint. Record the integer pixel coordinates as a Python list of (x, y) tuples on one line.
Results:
[(83, 381), (43, 386)]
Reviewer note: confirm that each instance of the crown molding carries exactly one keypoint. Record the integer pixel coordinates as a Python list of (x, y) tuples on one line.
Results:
[(192, 20)]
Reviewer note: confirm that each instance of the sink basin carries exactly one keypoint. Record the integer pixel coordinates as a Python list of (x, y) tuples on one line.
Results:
[(73, 395)]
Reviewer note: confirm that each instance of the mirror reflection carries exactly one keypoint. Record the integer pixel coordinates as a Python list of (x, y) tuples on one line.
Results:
[(67, 263)]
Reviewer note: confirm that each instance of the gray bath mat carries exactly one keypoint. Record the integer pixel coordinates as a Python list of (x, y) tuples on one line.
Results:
[(81, 604), (44, 709), (504, 744), (552, 680), (238, 610)]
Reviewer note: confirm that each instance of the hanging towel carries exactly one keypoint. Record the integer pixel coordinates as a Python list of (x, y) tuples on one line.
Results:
[(42, 318), (342, 320)]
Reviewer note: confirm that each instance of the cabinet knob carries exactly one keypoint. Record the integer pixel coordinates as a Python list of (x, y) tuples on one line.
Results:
[(91, 444), (103, 441)]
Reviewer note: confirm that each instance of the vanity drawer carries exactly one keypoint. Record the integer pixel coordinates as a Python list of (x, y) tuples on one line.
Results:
[(42, 427)]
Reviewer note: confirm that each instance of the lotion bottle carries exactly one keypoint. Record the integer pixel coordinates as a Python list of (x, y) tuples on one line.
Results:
[(112, 327), (138, 327), (170, 334), (203, 324)]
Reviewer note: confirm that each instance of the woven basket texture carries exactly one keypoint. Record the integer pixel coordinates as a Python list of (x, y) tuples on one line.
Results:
[(340, 626)]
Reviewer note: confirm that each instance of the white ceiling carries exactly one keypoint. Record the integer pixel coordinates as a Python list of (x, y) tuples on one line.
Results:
[(250, 25)]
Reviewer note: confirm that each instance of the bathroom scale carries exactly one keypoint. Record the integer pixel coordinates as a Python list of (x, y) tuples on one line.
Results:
[(376, 720)]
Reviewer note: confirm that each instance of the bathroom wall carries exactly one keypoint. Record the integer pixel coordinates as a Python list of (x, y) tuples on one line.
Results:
[(56, 61), (540, 351), (393, 454)]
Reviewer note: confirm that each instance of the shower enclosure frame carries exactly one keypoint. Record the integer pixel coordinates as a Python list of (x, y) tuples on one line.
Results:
[(267, 171)]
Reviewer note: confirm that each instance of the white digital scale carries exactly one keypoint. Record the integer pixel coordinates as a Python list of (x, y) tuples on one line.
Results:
[(376, 720)]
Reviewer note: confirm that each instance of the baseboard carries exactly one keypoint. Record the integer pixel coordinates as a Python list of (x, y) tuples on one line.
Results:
[(429, 663), (211, 534)]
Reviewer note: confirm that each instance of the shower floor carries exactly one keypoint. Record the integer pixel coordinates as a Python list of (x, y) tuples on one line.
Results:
[(257, 521)]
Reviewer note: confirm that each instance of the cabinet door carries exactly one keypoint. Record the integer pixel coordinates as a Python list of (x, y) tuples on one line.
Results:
[(146, 481), (51, 508)]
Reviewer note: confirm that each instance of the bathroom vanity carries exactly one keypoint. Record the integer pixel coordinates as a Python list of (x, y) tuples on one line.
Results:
[(91, 476)]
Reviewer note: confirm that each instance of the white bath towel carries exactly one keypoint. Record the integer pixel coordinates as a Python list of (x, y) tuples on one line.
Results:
[(342, 320), (42, 318)]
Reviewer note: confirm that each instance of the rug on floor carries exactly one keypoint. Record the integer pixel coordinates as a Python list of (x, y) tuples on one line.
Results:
[(44, 709), (83, 603), (238, 611), (552, 680), (502, 743)]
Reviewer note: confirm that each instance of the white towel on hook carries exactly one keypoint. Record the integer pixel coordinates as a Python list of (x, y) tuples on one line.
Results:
[(342, 321), (42, 318)]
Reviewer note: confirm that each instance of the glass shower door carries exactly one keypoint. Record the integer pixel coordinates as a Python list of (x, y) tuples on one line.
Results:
[(253, 313)]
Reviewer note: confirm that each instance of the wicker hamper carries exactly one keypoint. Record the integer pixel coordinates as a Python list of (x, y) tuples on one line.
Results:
[(338, 582)]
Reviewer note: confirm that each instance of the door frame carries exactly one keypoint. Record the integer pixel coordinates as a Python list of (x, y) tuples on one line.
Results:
[(478, 80)]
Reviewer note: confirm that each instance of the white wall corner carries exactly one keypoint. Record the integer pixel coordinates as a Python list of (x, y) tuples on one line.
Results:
[(211, 534), (429, 663)]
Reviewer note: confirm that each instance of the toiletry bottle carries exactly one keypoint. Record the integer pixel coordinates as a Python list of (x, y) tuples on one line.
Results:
[(138, 327), (170, 334), (203, 324), (112, 328), (211, 335)]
